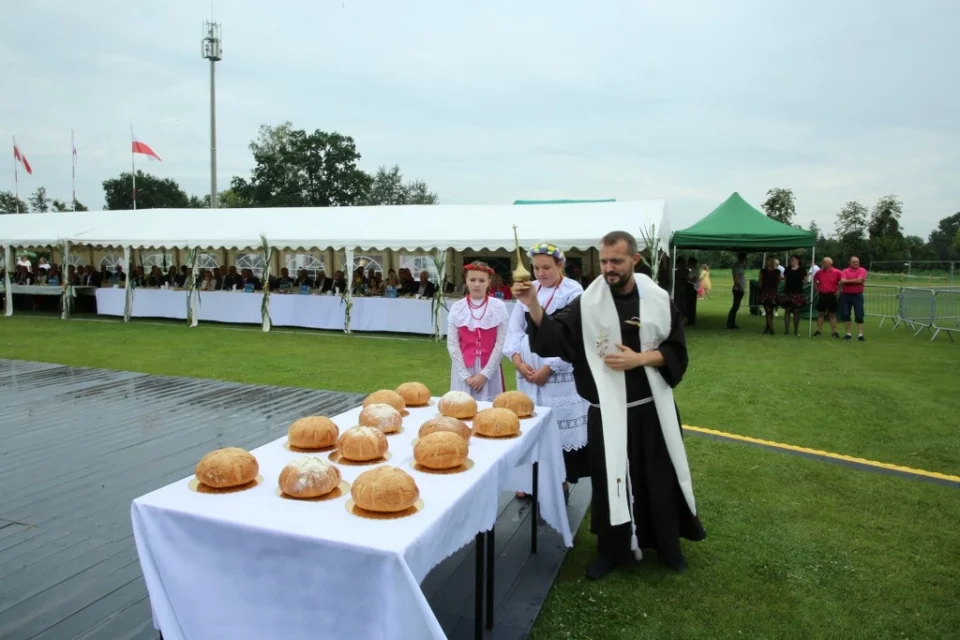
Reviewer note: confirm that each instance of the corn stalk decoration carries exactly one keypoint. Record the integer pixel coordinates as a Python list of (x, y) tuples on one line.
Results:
[(268, 252), (67, 292), (346, 296), (193, 295), (438, 302), (347, 301), (651, 240)]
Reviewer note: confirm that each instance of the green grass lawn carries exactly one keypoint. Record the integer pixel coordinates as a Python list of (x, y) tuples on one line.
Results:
[(892, 399), (796, 548)]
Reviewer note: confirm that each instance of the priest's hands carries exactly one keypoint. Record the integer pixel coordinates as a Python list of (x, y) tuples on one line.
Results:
[(476, 381), (625, 360), (526, 294)]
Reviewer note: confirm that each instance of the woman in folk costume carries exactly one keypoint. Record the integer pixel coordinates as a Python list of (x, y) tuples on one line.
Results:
[(475, 335), (549, 381)]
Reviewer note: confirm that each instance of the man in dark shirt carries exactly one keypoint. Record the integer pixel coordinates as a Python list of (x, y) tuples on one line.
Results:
[(232, 280)]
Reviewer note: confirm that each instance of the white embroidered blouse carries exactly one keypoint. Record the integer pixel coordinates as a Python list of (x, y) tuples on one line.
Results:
[(461, 315), (556, 298)]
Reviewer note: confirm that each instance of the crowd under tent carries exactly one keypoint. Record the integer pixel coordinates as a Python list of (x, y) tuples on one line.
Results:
[(736, 225), (440, 236)]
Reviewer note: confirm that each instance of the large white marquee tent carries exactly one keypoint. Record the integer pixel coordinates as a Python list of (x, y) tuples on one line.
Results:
[(430, 228)]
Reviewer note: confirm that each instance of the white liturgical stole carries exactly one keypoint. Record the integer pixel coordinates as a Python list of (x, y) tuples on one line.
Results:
[(601, 333)]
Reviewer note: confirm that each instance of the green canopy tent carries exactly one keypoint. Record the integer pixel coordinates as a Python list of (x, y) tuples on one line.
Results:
[(736, 225)]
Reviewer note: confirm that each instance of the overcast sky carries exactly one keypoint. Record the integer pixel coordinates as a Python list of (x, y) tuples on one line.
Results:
[(683, 100)]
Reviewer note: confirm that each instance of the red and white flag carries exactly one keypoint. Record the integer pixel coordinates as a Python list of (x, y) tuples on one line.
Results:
[(144, 148), (22, 159)]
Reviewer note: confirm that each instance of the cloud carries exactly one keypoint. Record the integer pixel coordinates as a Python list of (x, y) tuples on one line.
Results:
[(686, 101)]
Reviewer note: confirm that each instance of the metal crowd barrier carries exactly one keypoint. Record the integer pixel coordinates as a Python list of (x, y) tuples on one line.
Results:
[(946, 312), (918, 308), (934, 310), (882, 301)]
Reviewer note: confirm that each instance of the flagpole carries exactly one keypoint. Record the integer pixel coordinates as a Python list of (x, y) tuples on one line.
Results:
[(133, 168), (16, 179), (73, 170)]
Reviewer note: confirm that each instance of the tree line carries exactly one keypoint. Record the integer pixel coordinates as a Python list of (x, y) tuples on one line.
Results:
[(292, 168), (873, 235), (297, 168)]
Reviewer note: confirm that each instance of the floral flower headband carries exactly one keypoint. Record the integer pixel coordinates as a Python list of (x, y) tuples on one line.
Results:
[(547, 249), (479, 267)]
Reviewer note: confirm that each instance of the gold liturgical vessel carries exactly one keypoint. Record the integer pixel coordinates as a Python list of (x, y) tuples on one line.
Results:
[(520, 274)]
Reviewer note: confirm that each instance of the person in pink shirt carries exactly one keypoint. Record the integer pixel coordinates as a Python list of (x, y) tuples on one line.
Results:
[(826, 283), (852, 280)]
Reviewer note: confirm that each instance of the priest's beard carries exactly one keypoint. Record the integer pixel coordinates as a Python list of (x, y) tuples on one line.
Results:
[(619, 282)]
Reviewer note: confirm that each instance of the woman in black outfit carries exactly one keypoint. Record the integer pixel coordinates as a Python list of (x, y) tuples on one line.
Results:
[(792, 300), (769, 287)]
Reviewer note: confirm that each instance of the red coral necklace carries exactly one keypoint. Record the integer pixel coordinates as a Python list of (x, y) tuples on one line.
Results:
[(483, 305), (546, 307)]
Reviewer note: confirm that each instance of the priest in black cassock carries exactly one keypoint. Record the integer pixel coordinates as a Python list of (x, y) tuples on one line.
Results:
[(625, 340)]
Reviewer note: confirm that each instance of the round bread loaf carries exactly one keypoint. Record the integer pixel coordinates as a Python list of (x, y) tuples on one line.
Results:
[(517, 401), (361, 444), (313, 432), (457, 404), (382, 416), (384, 489), (309, 477), (385, 396), (496, 423), (225, 468), (414, 394), (445, 423), (440, 450)]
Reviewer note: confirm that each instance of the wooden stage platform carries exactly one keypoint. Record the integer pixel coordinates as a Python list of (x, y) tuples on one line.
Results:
[(78, 445)]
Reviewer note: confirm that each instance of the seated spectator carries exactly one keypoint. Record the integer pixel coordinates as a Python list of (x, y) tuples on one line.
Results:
[(181, 278), (392, 288), (322, 283), (233, 280), (339, 282), (247, 278), (283, 283), (207, 282), (303, 280), (425, 289), (217, 279)]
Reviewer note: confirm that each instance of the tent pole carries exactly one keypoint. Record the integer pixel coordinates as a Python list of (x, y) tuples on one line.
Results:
[(7, 282), (127, 286), (810, 323), (673, 273)]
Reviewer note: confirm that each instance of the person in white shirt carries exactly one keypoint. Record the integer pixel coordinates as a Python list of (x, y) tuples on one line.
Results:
[(549, 381)]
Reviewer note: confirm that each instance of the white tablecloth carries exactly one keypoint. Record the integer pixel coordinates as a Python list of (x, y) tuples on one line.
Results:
[(397, 315), (45, 290), (254, 565)]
